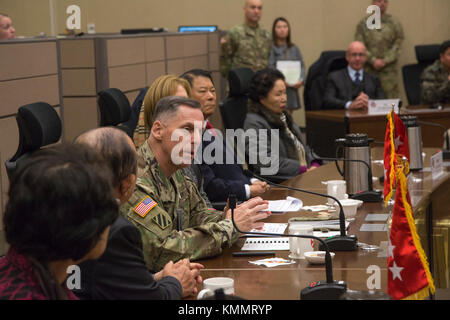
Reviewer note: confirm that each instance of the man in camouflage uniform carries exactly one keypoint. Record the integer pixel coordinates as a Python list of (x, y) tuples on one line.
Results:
[(383, 48), (435, 80), (166, 206), (246, 45)]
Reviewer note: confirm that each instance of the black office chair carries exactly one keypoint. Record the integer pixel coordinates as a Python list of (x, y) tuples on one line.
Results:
[(426, 55), (234, 108), (39, 125), (114, 109), (317, 77)]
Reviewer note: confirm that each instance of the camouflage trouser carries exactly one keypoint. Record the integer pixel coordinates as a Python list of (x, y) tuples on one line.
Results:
[(389, 81)]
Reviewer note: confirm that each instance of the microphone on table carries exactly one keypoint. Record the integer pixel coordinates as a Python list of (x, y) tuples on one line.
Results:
[(322, 290), (446, 151), (365, 196), (342, 242)]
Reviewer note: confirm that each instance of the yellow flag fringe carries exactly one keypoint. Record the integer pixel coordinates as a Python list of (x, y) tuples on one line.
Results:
[(423, 293)]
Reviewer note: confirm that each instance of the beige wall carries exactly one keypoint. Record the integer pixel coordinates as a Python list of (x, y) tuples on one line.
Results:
[(317, 25)]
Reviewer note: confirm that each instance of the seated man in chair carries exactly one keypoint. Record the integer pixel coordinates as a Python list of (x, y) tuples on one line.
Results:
[(351, 88), (435, 80), (167, 208)]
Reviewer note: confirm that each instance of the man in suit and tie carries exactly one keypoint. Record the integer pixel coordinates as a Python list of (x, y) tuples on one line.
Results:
[(351, 88)]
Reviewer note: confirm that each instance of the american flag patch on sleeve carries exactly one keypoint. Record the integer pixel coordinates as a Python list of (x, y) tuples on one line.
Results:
[(145, 206)]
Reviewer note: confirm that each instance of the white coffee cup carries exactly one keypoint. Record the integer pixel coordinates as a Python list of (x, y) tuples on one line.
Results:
[(337, 189), (298, 246), (212, 284)]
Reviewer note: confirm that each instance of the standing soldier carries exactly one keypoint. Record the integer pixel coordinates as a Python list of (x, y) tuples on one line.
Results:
[(246, 45), (383, 48)]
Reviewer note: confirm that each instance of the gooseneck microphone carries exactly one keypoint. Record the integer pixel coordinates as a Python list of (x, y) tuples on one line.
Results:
[(365, 196), (322, 290), (446, 151), (342, 242)]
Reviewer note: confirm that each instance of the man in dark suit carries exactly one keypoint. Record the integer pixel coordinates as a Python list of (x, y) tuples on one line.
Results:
[(351, 88), (120, 273)]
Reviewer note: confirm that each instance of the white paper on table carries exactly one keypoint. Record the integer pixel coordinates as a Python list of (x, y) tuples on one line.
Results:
[(272, 262), (323, 224), (272, 228), (373, 227), (382, 217), (317, 208), (320, 234), (290, 204), (291, 70)]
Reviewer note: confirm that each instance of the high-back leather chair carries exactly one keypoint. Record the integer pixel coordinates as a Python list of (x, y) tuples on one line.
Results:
[(316, 79), (426, 55), (234, 108), (39, 125), (114, 109)]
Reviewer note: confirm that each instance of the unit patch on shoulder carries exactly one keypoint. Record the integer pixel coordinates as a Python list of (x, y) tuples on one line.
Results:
[(145, 206), (162, 220)]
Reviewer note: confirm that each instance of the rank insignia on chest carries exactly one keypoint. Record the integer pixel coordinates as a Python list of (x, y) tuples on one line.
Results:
[(145, 206), (162, 220)]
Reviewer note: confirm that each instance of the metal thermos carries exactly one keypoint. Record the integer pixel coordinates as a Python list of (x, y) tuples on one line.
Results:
[(356, 174), (415, 142)]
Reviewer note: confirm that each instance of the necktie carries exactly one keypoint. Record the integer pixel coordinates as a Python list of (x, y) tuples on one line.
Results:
[(357, 79)]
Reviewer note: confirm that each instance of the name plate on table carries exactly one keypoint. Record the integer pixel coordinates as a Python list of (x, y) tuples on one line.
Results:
[(437, 165), (383, 106)]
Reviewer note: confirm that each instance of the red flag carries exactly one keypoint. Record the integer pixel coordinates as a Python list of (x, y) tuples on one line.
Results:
[(400, 137), (409, 277)]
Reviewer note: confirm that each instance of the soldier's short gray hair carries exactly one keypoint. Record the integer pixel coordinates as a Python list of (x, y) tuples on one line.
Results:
[(168, 106)]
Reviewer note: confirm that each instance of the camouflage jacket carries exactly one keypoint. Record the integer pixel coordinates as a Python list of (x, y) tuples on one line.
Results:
[(384, 43), (245, 47), (435, 86), (154, 209)]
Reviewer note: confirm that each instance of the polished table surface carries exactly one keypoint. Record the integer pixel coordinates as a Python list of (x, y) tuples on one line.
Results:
[(286, 282), (338, 123)]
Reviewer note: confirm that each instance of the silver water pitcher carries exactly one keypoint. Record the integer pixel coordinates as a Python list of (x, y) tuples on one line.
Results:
[(415, 142), (356, 174)]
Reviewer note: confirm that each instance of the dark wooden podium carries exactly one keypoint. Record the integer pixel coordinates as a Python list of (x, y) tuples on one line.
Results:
[(325, 126)]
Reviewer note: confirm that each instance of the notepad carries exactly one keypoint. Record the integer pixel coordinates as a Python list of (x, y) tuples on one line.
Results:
[(273, 244)]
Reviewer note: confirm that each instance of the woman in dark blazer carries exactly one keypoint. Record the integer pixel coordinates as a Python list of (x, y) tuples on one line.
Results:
[(289, 155)]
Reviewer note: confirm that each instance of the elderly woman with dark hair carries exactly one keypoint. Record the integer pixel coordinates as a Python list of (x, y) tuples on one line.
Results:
[(267, 111), (60, 208)]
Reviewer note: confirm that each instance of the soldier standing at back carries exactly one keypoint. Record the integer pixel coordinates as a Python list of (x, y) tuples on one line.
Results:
[(383, 48), (246, 45)]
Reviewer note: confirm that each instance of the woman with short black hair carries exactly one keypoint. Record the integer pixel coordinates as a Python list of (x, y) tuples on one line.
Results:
[(267, 111), (60, 208)]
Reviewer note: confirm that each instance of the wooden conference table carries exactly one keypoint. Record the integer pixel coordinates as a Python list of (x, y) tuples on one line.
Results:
[(323, 127), (286, 282)]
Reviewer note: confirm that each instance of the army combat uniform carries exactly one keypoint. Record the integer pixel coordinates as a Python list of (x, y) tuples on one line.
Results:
[(172, 217), (384, 43), (435, 86), (245, 47)]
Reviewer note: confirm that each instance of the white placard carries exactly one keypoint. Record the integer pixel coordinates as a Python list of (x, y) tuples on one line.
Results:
[(437, 167), (291, 70), (383, 106)]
